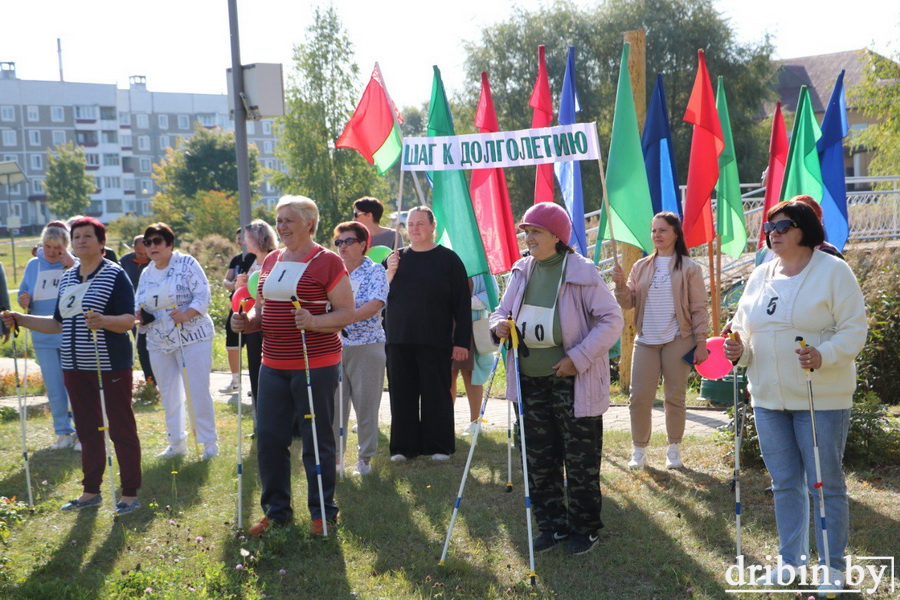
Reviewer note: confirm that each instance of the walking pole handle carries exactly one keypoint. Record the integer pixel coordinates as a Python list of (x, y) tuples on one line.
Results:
[(513, 332), (15, 326), (799, 339)]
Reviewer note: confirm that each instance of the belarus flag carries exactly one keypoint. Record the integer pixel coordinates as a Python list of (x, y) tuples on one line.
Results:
[(372, 130)]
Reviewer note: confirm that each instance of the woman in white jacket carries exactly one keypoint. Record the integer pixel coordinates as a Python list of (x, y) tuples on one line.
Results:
[(802, 292), (171, 303)]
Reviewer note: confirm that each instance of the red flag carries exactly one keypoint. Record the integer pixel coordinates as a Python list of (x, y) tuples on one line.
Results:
[(490, 197), (707, 144), (778, 153), (542, 103)]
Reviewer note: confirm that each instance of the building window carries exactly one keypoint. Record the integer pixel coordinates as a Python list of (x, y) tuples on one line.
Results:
[(114, 206), (57, 114), (143, 142), (14, 190), (267, 127), (251, 127), (7, 113), (143, 121), (59, 138), (146, 186), (128, 184), (207, 120), (34, 137), (86, 113), (92, 160), (267, 147), (126, 141), (112, 183), (125, 119), (86, 138), (37, 184), (108, 113), (9, 137), (184, 122), (164, 142), (10, 158), (163, 121), (33, 113), (96, 207), (111, 160), (146, 165), (110, 137), (37, 161)]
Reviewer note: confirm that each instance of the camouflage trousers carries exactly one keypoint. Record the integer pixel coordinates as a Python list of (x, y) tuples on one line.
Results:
[(556, 440)]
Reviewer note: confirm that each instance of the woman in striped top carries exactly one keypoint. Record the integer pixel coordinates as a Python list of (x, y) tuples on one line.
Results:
[(307, 273), (668, 295), (96, 297)]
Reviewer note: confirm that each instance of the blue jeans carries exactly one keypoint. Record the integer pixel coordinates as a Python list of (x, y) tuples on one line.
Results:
[(785, 438), (51, 371)]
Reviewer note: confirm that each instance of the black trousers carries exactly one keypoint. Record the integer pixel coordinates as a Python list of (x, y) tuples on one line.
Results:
[(421, 404), (143, 355)]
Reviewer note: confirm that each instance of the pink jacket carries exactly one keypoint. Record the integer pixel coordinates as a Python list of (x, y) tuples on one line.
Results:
[(591, 323)]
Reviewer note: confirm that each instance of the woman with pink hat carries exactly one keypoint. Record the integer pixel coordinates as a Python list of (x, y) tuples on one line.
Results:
[(569, 320)]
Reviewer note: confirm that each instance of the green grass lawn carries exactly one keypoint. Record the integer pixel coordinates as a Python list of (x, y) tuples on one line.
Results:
[(668, 534)]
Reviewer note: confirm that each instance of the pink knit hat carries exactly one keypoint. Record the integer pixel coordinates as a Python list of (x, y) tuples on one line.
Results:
[(551, 217)]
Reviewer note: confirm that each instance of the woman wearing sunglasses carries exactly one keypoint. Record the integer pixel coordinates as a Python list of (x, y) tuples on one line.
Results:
[(363, 341), (806, 293), (171, 303), (668, 295)]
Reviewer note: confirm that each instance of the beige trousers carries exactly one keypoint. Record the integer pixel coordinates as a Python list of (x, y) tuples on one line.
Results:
[(647, 364)]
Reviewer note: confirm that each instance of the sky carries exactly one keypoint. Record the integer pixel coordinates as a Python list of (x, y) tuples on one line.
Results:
[(184, 45)]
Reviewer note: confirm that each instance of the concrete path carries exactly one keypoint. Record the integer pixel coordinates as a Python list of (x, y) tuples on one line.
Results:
[(701, 422)]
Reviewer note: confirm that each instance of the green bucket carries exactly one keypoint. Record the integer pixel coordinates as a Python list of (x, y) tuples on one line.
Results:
[(721, 391)]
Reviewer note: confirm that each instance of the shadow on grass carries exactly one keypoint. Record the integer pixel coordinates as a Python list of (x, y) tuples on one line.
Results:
[(53, 466)]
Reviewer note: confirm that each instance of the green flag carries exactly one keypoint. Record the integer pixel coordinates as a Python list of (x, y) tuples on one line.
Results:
[(803, 174), (730, 209), (626, 175), (450, 198)]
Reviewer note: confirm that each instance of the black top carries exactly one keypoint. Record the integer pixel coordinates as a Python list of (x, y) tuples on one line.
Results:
[(430, 292), (133, 268), (241, 263)]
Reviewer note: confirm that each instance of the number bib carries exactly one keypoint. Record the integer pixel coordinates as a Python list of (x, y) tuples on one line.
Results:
[(536, 322), (46, 285), (70, 301), (159, 300), (281, 284)]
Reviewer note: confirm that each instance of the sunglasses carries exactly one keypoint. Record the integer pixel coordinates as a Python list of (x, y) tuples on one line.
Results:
[(356, 213), (348, 241), (779, 227), (157, 241)]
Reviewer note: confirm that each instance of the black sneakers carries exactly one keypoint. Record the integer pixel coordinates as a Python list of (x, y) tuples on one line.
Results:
[(548, 539), (582, 543)]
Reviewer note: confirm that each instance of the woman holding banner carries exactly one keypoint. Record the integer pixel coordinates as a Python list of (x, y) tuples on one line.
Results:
[(668, 295), (568, 320)]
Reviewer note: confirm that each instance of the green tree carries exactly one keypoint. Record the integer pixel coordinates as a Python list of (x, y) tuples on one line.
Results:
[(325, 86), (68, 187), (878, 97), (204, 163), (676, 29)]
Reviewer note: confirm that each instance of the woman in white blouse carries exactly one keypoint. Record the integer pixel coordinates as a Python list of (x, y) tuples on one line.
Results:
[(668, 295), (171, 303)]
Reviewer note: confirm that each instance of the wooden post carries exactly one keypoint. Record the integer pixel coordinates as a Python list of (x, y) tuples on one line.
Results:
[(713, 287), (631, 254)]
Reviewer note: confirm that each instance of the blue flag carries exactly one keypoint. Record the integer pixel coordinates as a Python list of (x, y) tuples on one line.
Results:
[(831, 159), (568, 174), (659, 154)]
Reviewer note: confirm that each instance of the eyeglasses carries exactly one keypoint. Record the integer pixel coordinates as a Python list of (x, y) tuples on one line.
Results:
[(779, 227), (157, 241), (348, 241), (356, 213)]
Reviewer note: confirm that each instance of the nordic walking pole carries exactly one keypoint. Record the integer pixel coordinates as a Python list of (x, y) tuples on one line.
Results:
[(341, 414), (509, 446), (462, 483), (312, 416), (187, 386), (240, 418), (23, 407), (738, 433), (818, 484), (105, 427), (514, 341)]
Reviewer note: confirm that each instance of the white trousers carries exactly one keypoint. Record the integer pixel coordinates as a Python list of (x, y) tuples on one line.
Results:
[(170, 380)]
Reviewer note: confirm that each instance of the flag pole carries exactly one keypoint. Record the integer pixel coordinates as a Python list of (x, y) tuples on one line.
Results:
[(397, 125), (612, 238), (718, 324), (710, 245), (397, 240)]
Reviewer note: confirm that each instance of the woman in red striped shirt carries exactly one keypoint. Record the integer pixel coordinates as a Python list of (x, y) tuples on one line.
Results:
[(318, 279)]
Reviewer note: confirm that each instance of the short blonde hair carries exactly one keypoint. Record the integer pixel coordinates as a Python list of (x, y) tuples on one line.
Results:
[(304, 208), (262, 235), (54, 234)]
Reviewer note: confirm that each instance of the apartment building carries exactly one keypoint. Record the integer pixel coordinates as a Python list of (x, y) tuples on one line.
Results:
[(123, 132)]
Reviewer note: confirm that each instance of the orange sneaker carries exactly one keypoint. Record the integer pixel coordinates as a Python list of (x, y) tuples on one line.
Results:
[(317, 526), (261, 526)]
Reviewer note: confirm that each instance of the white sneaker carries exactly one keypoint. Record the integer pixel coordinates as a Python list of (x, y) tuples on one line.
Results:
[(673, 457), (77, 446), (179, 449), (353, 429), (62, 442), (362, 468), (470, 430), (210, 450), (784, 576), (638, 458), (835, 583), (398, 458), (231, 388), (440, 456)]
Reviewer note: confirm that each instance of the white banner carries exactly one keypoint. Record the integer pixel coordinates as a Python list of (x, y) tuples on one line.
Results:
[(501, 149)]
